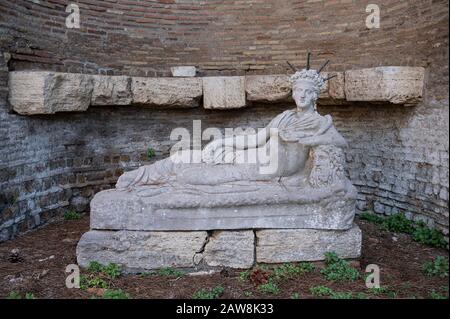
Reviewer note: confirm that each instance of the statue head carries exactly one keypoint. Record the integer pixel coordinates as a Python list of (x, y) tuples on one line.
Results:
[(306, 87)]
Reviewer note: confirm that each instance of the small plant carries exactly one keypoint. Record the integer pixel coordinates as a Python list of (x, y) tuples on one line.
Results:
[(91, 281), (379, 291), (337, 269), (321, 291), (14, 295), (269, 288), (244, 275), (115, 294), (436, 295), (437, 267), (150, 153), (248, 294), (95, 267), (170, 272), (295, 295), (391, 294), (361, 295), (341, 295), (113, 271), (214, 293), (370, 217), (398, 223), (96, 282), (72, 215), (425, 235), (287, 271)]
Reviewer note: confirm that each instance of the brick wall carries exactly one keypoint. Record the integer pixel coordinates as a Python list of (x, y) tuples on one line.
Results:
[(398, 157)]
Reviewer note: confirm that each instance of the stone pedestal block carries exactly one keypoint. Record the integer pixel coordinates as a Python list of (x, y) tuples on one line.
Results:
[(290, 245), (148, 250), (137, 251), (233, 249)]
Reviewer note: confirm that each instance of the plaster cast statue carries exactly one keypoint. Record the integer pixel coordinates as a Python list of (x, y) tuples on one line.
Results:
[(303, 146)]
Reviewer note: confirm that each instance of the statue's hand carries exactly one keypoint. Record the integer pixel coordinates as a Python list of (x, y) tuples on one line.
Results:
[(209, 151)]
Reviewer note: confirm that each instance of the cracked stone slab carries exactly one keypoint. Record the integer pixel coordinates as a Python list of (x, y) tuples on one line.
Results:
[(167, 92), (233, 249), (111, 90), (398, 85), (224, 92), (136, 251), (43, 92), (293, 245)]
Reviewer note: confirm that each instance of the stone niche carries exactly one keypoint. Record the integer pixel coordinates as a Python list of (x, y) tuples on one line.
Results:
[(44, 92)]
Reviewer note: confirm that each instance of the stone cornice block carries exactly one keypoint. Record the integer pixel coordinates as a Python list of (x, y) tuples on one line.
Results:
[(268, 88), (224, 92), (394, 84), (111, 90), (43, 92), (167, 92), (277, 89)]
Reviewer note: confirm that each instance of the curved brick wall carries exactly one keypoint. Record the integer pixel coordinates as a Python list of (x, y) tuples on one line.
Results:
[(398, 157)]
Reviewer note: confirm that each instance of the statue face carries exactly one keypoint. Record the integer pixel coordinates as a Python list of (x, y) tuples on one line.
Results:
[(304, 95)]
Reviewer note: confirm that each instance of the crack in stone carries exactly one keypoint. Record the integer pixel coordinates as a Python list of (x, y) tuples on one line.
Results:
[(200, 264)]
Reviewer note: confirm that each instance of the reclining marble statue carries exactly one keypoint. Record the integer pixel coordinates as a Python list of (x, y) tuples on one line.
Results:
[(299, 187)]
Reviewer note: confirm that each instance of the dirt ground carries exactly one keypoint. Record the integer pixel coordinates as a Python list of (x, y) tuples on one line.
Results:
[(45, 253)]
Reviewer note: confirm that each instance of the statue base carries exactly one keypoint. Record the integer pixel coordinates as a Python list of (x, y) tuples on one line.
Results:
[(206, 226), (138, 251)]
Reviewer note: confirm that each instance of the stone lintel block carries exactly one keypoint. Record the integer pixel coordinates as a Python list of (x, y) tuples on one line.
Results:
[(233, 249), (44, 92), (224, 92), (293, 245), (167, 92), (183, 71), (334, 88), (137, 251), (268, 88), (278, 89), (111, 90), (394, 84)]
